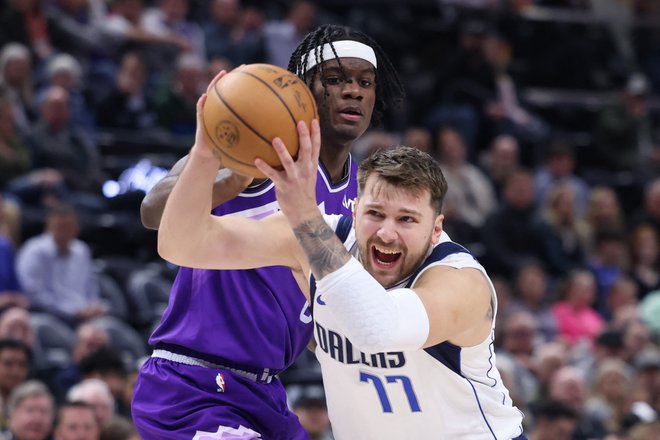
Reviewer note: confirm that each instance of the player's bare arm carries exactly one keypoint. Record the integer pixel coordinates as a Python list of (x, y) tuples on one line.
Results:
[(228, 184), (324, 252), (458, 302), (190, 236)]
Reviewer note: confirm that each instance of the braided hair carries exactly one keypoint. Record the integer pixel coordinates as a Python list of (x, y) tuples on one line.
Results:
[(389, 88)]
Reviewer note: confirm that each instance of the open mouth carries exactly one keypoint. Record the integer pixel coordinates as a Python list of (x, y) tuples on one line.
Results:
[(385, 257)]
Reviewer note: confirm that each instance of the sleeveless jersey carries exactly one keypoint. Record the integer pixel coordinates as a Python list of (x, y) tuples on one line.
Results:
[(247, 318), (441, 392)]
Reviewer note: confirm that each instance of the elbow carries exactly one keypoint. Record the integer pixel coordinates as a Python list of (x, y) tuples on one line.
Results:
[(149, 220)]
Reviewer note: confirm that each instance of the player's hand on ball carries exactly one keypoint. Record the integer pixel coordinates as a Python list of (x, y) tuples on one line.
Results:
[(295, 184)]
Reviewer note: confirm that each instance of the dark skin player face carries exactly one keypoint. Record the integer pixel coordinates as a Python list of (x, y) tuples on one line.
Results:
[(345, 106)]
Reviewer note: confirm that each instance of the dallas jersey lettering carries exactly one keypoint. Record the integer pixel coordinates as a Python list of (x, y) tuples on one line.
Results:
[(246, 318), (442, 392)]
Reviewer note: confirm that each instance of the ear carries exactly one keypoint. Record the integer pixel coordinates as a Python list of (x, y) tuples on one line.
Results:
[(437, 228)]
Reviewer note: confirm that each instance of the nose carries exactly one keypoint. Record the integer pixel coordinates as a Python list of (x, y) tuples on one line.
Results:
[(352, 89), (387, 232)]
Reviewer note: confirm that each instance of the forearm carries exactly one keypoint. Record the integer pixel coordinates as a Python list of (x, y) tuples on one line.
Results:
[(227, 186), (320, 244), (186, 217)]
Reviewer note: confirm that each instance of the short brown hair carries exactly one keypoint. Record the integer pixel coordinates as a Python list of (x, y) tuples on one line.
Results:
[(406, 168)]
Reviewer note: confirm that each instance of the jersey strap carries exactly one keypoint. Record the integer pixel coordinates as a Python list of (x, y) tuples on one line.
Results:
[(343, 229), (445, 352)]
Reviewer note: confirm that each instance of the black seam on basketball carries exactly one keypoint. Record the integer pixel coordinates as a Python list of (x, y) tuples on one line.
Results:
[(239, 116), (293, 118)]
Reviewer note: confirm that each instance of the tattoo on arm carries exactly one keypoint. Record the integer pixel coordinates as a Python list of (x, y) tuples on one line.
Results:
[(324, 251), (489, 313)]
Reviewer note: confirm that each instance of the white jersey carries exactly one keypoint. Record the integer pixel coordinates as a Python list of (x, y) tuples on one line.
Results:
[(441, 392)]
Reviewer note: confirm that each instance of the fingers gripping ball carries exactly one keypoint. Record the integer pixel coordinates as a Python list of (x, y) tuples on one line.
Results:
[(251, 105)]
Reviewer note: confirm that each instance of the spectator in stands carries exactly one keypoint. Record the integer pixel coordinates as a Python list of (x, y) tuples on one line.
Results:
[(623, 133), (500, 161), (65, 71), (64, 148), (576, 319), (607, 262), (24, 22), (531, 295), (16, 83), (649, 213), (95, 393), (10, 219), (553, 421), (418, 137), (621, 297), (11, 293), (15, 157), (612, 388), (644, 246), (76, 421), (311, 409), (119, 428), (520, 335), (31, 412), (511, 235), (559, 168), (175, 106), (283, 36), (169, 19), (547, 360), (568, 386), (56, 270), (15, 360), (603, 212), (126, 28), (560, 231), (89, 339), (470, 190), (128, 106), (15, 324), (228, 37), (75, 29), (464, 83), (106, 365)]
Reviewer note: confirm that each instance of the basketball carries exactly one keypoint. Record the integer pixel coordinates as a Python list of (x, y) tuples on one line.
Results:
[(251, 105)]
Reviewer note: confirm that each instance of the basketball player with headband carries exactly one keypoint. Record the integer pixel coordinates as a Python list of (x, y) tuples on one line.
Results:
[(225, 335)]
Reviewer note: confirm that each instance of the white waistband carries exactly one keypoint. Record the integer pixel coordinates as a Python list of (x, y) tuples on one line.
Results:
[(189, 360)]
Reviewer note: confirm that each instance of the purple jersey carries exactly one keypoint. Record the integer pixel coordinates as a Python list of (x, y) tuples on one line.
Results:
[(247, 318)]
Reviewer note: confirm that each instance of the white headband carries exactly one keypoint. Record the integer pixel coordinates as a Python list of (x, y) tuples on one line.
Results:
[(344, 49)]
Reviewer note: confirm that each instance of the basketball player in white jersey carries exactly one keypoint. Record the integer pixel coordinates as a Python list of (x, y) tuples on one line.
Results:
[(404, 317)]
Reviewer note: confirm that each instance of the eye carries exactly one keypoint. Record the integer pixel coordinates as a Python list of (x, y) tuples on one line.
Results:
[(408, 219), (366, 83), (374, 213), (332, 80)]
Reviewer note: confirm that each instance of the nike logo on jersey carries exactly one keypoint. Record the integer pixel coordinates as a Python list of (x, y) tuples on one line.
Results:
[(319, 301), (306, 314)]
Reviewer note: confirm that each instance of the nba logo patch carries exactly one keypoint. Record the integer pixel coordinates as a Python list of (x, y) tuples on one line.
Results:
[(220, 381)]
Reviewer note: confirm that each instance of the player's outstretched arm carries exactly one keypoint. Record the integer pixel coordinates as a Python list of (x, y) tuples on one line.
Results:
[(190, 236), (228, 184)]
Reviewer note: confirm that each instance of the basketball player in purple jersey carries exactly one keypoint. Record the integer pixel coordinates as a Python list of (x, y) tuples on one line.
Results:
[(226, 334)]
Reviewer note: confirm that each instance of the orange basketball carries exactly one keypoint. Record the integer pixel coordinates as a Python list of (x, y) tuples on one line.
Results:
[(251, 105)]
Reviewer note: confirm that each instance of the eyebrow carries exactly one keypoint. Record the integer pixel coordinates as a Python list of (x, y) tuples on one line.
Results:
[(401, 211)]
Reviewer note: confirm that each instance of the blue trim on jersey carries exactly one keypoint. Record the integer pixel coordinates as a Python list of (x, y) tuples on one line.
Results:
[(474, 390), (438, 253), (490, 362), (448, 354)]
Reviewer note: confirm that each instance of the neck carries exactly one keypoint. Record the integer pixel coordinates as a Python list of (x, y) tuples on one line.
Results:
[(333, 158)]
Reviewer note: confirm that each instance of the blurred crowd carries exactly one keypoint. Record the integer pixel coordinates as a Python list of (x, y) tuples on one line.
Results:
[(542, 113)]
